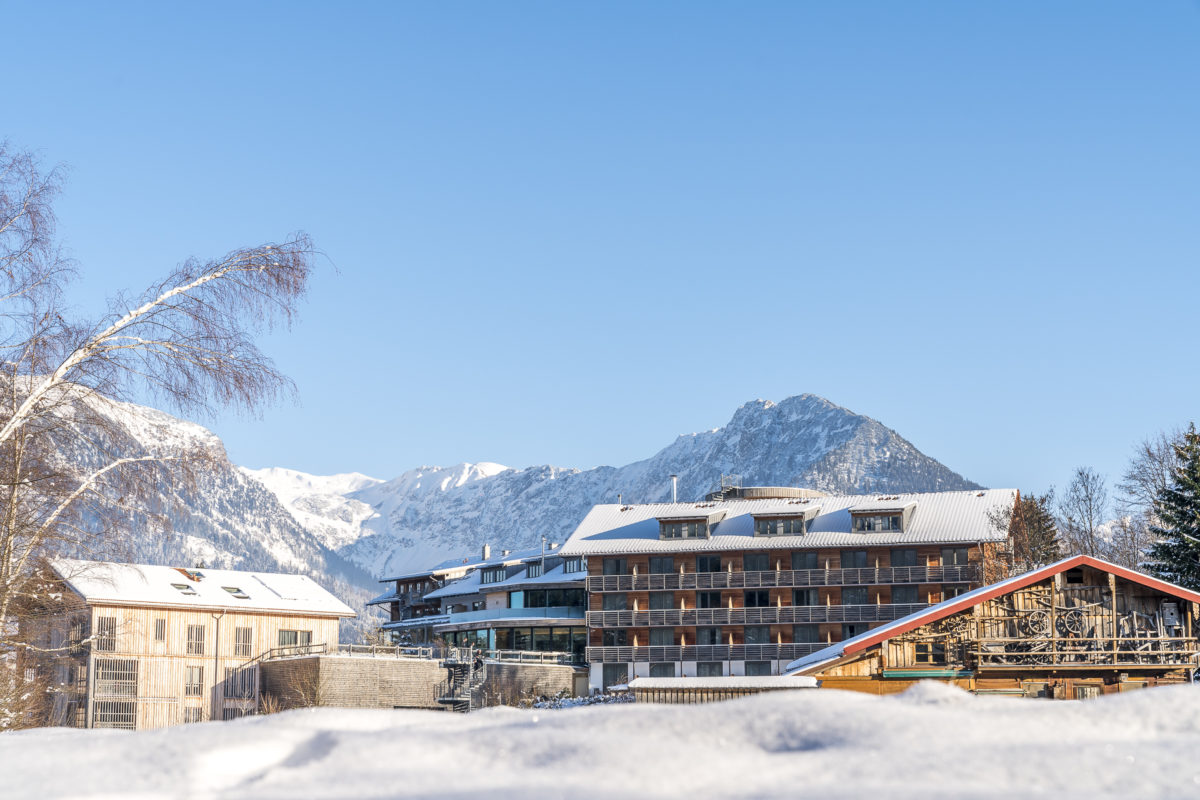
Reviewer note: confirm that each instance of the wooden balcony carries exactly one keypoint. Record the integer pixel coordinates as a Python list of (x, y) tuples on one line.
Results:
[(674, 581), (716, 652), (768, 615)]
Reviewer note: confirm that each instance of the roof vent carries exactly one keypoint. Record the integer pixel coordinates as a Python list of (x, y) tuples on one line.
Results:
[(487, 552)]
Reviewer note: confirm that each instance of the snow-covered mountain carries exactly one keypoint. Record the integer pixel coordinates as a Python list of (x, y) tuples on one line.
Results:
[(432, 513), (349, 530)]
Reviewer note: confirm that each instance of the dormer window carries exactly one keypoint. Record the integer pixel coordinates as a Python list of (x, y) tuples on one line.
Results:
[(779, 526), (534, 569), (573, 564), (492, 574), (873, 524), (683, 529)]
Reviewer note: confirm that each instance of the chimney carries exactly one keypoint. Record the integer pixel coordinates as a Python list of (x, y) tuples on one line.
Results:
[(505, 552), (674, 488), (487, 552)]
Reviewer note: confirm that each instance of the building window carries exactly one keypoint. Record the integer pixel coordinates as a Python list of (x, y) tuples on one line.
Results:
[(930, 653), (661, 601), (805, 597), (613, 602), (757, 598), (854, 595), (120, 714), (193, 685), (779, 526), (709, 669), (295, 638), (953, 590), (615, 675), (756, 562), (662, 670), (758, 668), (708, 563), (851, 629), (574, 564), (906, 557), (243, 641), (615, 637), (691, 529), (806, 634), (493, 574), (193, 714), (106, 634), (234, 712), (184, 588), (116, 677), (534, 569), (708, 636), (160, 630), (239, 683), (195, 640), (757, 634), (615, 566), (905, 594), (662, 565), (954, 556), (662, 637), (872, 524), (236, 592), (806, 559), (854, 559), (708, 600)]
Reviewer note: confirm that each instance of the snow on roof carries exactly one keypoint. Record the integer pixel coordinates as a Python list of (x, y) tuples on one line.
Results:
[(727, 682), (466, 585), (144, 584), (475, 562), (814, 661), (939, 517), (882, 504), (703, 511), (472, 584)]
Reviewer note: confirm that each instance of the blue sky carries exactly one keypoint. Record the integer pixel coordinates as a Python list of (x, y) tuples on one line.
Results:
[(565, 232)]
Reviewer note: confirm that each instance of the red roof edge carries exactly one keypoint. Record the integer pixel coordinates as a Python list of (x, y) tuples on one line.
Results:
[(1020, 582)]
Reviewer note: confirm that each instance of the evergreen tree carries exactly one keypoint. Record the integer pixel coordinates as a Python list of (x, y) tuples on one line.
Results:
[(1175, 557)]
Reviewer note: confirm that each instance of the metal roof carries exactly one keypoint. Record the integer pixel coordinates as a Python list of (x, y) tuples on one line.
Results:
[(475, 562), (937, 518), (148, 585), (955, 605)]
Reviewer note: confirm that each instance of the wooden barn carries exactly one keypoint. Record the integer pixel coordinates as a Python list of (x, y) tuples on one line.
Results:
[(135, 646), (1075, 629)]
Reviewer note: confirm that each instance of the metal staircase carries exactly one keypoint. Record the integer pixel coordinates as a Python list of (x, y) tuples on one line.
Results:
[(457, 692)]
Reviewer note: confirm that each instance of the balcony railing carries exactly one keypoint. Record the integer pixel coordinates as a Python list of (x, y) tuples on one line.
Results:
[(674, 581), (715, 652), (494, 614), (769, 615)]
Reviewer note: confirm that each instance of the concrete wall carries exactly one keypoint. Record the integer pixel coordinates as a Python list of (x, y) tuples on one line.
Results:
[(508, 684), (349, 682)]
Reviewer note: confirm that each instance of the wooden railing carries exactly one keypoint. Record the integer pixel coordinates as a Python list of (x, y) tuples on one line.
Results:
[(716, 652), (768, 615), (1095, 651), (674, 581)]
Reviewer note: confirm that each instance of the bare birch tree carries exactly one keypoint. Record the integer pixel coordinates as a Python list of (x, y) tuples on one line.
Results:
[(71, 477), (1082, 510)]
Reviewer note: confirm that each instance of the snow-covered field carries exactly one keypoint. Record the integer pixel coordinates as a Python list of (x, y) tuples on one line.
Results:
[(933, 741)]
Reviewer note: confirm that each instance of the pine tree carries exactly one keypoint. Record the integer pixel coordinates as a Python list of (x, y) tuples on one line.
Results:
[(1175, 557)]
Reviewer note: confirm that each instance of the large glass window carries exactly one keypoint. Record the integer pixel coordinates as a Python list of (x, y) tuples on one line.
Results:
[(758, 668), (757, 634), (615, 566), (709, 669), (904, 557), (522, 639), (853, 629), (493, 574), (504, 639), (542, 639), (662, 565), (693, 529), (708, 600), (294, 638), (554, 598), (574, 564), (953, 590), (615, 637), (779, 526), (708, 636), (516, 599), (757, 598), (904, 593), (613, 602), (662, 670), (806, 559), (854, 595), (708, 563), (805, 597), (880, 522), (615, 675), (806, 634), (954, 556), (854, 559), (662, 637), (756, 562), (661, 601)]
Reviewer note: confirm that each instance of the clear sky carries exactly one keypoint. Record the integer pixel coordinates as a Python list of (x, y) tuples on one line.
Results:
[(566, 232)]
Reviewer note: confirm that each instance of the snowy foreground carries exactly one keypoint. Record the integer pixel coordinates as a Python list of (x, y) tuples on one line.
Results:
[(933, 741)]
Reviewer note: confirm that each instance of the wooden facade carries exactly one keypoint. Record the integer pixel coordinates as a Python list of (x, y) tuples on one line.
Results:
[(1077, 629)]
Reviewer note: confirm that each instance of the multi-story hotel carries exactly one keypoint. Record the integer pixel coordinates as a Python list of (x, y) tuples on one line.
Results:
[(745, 584)]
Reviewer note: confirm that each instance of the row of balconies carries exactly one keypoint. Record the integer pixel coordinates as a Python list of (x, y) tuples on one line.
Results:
[(713, 652), (675, 581), (767, 615)]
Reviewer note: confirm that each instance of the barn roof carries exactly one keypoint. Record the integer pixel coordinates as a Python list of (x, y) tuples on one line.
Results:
[(235, 590), (864, 641)]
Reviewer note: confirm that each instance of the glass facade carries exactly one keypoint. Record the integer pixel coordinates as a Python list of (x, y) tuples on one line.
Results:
[(661, 565), (756, 562)]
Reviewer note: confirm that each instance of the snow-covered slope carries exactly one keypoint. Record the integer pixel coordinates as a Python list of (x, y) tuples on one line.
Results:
[(432, 513), (933, 741)]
